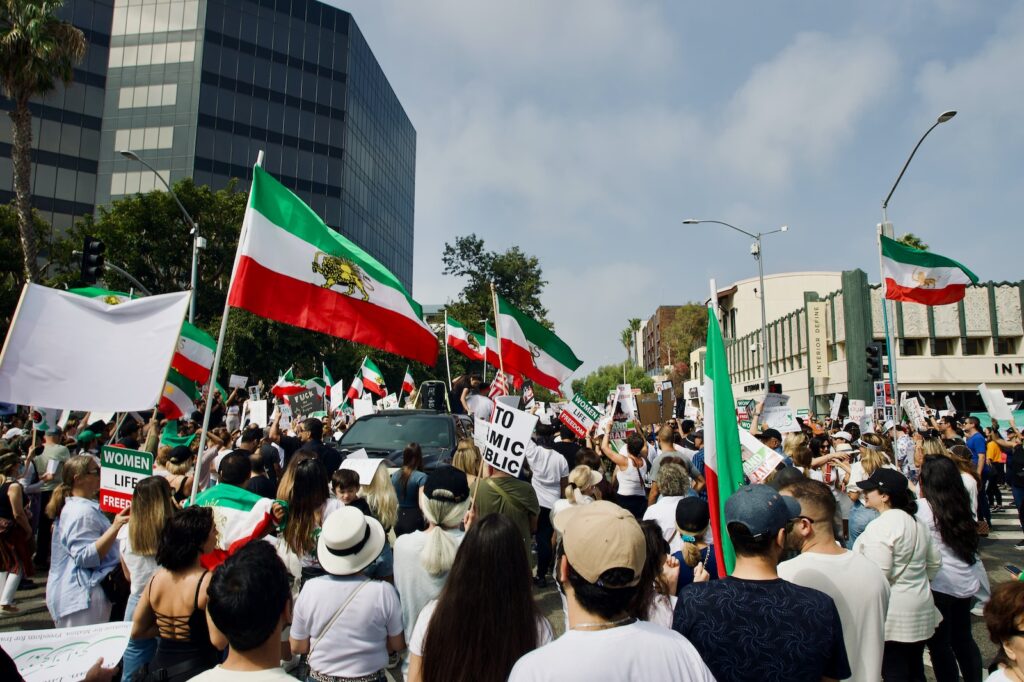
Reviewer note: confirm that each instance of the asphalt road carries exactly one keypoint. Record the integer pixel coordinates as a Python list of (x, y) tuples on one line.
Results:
[(997, 550)]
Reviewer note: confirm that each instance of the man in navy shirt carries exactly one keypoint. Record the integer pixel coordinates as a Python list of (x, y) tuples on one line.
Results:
[(752, 625)]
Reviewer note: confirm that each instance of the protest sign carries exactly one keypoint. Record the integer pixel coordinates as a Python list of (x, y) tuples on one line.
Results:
[(775, 400), (995, 403), (759, 461), (65, 654), (388, 402), (579, 415), (480, 429), (286, 415), (780, 418), (254, 393), (236, 381), (120, 470), (305, 402), (357, 454), (509, 432), (625, 405), (857, 410), (949, 405), (257, 410), (508, 401), (668, 405), (648, 408), (915, 413), (434, 396), (364, 466), (337, 396), (691, 412), (362, 407), (837, 402), (528, 397)]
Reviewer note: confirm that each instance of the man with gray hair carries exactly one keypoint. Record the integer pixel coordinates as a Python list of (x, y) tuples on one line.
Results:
[(673, 484)]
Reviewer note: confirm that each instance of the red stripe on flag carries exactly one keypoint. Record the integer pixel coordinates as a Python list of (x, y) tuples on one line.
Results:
[(464, 348), (189, 369), (948, 294), (519, 361), (218, 556), (270, 294), (717, 525)]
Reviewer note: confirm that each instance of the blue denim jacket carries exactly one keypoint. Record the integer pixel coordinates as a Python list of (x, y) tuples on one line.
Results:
[(75, 565)]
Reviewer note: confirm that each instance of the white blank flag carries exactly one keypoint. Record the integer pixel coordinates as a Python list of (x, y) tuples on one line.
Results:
[(77, 353)]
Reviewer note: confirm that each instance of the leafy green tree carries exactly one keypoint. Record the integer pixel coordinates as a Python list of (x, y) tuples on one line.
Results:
[(36, 50), (12, 270), (913, 241), (595, 386), (517, 278), (688, 331)]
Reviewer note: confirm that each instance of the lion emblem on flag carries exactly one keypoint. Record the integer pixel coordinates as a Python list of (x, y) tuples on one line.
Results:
[(923, 280), (472, 342), (338, 271), (534, 351), (110, 299)]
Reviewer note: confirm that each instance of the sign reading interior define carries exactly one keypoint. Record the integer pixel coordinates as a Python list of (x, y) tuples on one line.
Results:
[(817, 339)]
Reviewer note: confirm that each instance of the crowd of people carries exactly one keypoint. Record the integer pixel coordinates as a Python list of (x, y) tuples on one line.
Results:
[(855, 556)]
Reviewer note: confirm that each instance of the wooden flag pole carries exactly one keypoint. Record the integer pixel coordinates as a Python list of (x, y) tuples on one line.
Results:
[(216, 356)]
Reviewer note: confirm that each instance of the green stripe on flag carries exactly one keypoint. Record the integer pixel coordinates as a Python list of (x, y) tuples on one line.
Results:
[(194, 333), (169, 436), (901, 253), (184, 384), (220, 389), (541, 336)]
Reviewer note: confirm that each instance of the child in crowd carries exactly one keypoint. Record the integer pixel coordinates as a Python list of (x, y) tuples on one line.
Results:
[(345, 486)]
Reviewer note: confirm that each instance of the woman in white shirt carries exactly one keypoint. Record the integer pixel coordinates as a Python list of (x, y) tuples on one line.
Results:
[(902, 547), (630, 470), (485, 618), (946, 512), (873, 455)]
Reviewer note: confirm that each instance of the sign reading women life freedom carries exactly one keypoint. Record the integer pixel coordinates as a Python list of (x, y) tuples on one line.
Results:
[(120, 471), (509, 432)]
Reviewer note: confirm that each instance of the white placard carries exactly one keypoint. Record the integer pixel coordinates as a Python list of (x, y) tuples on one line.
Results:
[(364, 466), (690, 412), (915, 413), (626, 402), (257, 410), (236, 381), (388, 402), (507, 438), (480, 429), (775, 400), (508, 401), (362, 407), (759, 461), (337, 395), (780, 418), (837, 402), (286, 415), (105, 417), (66, 654), (857, 410), (949, 405), (357, 454), (995, 403)]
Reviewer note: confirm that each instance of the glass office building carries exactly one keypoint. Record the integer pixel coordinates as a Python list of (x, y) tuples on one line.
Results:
[(66, 128), (197, 88)]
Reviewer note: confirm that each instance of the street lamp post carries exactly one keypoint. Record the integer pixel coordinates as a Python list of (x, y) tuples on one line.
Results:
[(197, 241), (755, 250), (886, 227)]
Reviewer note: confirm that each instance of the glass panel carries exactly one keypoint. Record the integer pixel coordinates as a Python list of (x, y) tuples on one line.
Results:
[(166, 137), (117, 183), (116, 55), (152, 138), (121, 140), (131, 55), (135, 138), (145, 55), (153, 98), (159, 55)]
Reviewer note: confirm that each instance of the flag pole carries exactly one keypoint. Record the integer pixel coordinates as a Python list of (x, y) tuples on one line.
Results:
[(217, 354), (890, 341), (497, 331), (446, 363)]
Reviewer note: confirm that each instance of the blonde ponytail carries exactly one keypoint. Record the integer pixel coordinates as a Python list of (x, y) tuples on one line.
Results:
[(438, 553)]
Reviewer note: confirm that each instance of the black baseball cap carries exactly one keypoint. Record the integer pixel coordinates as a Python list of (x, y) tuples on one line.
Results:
[(692, 514), (760, 509), (886, 481), (446, 484), (786, 476)]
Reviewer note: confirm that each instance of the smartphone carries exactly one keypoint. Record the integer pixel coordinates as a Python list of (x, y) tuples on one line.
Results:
[(1014, 570)]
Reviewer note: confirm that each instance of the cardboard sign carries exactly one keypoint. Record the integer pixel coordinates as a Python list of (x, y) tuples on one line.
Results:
[(388, 402), (579, 415), (337, 396), (364, 466), (306, 402), (508, 401), (759, 461), (120, 470), (858, 408), (780, 418), (236, 381), (481, 427), (362, 407), (775, 400), (837, 402), (995, 403), (254, 393), (625, 405), (509, 432), (915, 413), (286, 415), (668, 405), (648, 408), (528, 397), (691, 412), (949, 406), (65, 654), (257, 410)]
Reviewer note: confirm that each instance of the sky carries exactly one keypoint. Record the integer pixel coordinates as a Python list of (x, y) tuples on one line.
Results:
[(585, 131)]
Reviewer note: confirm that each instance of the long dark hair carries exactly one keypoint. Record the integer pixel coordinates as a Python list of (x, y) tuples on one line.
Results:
[(651, 582), (944, 489), (466, 642), (304, 487), (412, 460)]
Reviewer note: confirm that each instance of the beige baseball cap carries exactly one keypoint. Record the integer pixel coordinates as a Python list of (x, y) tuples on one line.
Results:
[(600, 536)]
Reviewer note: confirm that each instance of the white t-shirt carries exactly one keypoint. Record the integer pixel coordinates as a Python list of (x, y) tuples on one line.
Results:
[(998, 676), (219, 674), (549, 468), (972, 491), (955, 577), (480, 405), (639, 651), (664, 512), (140, 567), (419, 633), (415, 586), (356, 643), (861, 595)]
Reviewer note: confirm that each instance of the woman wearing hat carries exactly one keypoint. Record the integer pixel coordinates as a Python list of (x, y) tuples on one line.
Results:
[(697, 556), (15, 531), (901, 545), (347, 623)]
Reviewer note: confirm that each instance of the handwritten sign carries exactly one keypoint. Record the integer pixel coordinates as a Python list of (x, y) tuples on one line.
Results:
[(780, 418), (66, 654), (509, 432), (120, 471)]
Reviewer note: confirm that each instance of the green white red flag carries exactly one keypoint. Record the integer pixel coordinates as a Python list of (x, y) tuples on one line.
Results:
[(193, 356), (328, 379), (287, 385), (491, 346), (240, 517), (373, 380), (295, 269), (355, 391), (531, 350), (918, 276), (723, 459), (178, 400), (461, 339), (408, 385), (109, 297)]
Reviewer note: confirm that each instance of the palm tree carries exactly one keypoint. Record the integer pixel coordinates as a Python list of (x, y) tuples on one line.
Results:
[(626, 338), (36, 49), (634, 327)]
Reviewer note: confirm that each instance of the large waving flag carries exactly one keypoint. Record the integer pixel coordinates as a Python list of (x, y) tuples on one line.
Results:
[(294, 269), (328, 379), (373, 380), (461, 339), (240, 517), (491, 349), (193, 356), (530, 349), (723, 461), (919, 276)]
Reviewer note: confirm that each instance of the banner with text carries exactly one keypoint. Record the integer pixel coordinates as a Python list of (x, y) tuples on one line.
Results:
[(579, 415), (507, 437), (120, 470)]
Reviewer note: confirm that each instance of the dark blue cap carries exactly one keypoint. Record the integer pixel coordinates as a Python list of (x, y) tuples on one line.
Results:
[(761, 509)]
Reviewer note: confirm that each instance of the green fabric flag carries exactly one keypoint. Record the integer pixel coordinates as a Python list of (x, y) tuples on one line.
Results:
[(169, 436)]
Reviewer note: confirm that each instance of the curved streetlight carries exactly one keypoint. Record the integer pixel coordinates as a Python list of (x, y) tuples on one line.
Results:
[(755, 251), (943, 117), (197, 241)]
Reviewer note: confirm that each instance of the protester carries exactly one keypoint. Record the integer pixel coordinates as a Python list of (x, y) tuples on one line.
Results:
[(345, 622), (655, 597), (945, 510), (502, 493), (175, 464), (152, 508), (1015, 476), (673, 485), (424, 558), (696, 554), (173, 606), (668, 450), (250, 628), (997, 461), (476, 402), (49, 470), (873, 456), (550, 478), (588, 457), (581, 489), (467, 459), (856, 585), (566, 445), (599, 566), (630, 469), (799, 631), (454, 638), (83, 547), (961, 456), (15, 531), (309, 437), (899, 544), (1004, 618), (407, 483), (304, 488)]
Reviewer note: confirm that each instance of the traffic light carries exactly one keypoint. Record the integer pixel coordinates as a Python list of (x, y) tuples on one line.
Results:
[(873, 358), (92, 260), (774, 387)]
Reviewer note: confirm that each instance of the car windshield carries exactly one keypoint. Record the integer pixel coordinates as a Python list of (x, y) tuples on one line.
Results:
[(387, 432)]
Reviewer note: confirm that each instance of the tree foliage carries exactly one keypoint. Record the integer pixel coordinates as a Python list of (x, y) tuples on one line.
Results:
[(913, 241), (687, 332), (12, 269), (595, 386)]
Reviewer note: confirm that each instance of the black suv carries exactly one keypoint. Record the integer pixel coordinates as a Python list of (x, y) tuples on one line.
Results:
[(386, 434)]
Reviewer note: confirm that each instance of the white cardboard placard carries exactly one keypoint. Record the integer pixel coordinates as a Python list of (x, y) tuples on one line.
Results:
[(780, 418), (363, 466), (237, 381), (509, 432), (995, 403), (65, 654)]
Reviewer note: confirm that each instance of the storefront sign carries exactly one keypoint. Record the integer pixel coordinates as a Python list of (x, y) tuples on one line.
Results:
[(817, 339)]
